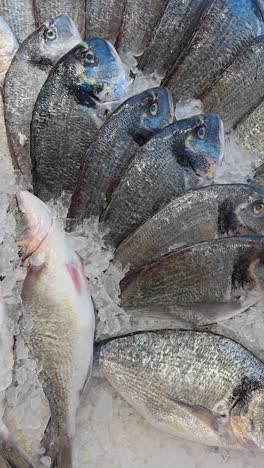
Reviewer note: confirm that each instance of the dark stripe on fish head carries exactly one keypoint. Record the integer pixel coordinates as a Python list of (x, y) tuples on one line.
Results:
[(227, 219), (247, 413)]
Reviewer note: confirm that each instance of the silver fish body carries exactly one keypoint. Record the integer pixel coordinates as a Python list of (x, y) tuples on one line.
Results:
[(173, 34), (227, 27), (69, 112), (20, 17), (202, 283), (60, 311), (104, 18), (180, 157), (24, 79), (208, 213), (132, 124), (249, 130), (196, 385), (139, 20), (240, 87)]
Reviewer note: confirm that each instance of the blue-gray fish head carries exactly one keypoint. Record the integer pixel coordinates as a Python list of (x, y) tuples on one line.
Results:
[(98, 70), (204, 143), (51, 41), (150, 111)]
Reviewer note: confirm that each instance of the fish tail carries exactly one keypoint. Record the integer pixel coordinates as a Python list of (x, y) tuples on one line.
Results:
[(57, 448), (11, 456)]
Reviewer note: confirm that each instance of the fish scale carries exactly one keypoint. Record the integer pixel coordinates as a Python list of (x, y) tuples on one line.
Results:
[(225, 29), (104, 18), (176, 27), (240, 87), (19, 16), (198, 283)]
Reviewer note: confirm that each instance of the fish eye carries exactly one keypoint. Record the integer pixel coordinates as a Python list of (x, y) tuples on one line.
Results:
[(201, 132), (50, 34), (153, 109), (258, 207), (89, 57)]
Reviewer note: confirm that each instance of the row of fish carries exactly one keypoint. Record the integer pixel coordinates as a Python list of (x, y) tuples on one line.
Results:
[(195, 384)]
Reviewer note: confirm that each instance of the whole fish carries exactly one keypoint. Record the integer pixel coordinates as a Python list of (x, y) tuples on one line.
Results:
[(44, 9), (193, 384), (202, 283), (139, 20), (104, 18), (249, 130), (240, 88), (8, 47), (173, 34), (20, 16), (11, 456), (69, 111), (182, 156), (208, 213), (227, 27), (26, 75), (60, 310), (131, 125)]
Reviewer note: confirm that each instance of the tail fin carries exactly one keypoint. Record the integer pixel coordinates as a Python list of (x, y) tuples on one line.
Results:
[(11, 456), (58, 449)]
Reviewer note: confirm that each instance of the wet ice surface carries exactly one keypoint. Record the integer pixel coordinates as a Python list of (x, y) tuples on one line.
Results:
[(109, 433)]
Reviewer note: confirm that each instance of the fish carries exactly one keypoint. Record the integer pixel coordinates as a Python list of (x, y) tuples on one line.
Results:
[(174, 32), (201, 284), (104, 19), (207, 213), (249, 131), (69, 112), (240, 87), (44, 9), (131, 125), (20, 17), (192, 384), (25, 78), (139, 20), (60, 309), (180, 157), (11, 456), (227, 27), (8, 47)]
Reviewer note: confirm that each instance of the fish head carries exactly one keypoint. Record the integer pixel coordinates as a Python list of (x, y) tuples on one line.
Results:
[(247, 416), (54, 39), (38, 220), (151, 111), (250, 211), (202, 137), (8, 45), (98, 71)]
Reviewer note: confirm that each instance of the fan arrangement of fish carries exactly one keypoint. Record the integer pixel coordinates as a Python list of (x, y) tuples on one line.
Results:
[(193, 250)]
